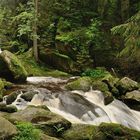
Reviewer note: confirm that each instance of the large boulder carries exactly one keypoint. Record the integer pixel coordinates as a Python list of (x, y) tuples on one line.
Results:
[(49, 122), (132, 99), (11, 68), (83, 83), (59, 61), (7, 129), (134, 95), (111, 131), (111, 82), (80, 132), (105, 131), (126, 84)]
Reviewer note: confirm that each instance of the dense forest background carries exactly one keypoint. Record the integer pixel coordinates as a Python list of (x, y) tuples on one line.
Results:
[(69, 66), (74, 35)]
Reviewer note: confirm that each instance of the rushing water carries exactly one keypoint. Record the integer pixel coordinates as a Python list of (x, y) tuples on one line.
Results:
[(78, 106)]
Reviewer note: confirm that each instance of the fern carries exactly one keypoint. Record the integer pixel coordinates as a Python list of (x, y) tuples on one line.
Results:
[(130, 31)]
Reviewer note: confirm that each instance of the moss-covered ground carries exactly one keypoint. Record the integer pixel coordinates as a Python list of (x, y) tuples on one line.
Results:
[(39, 69)]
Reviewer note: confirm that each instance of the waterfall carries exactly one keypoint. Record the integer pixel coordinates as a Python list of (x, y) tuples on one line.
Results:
[(0, 50), (81, 107)]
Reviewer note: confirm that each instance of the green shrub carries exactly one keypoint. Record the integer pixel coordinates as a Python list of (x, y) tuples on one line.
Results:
[(26, 131), (95, 73)]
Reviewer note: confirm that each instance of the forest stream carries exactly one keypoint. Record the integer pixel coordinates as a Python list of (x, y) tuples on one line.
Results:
[(75, 106)]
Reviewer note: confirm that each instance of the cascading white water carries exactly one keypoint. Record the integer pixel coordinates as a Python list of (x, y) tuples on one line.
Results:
[(83, 107), (0, 50)]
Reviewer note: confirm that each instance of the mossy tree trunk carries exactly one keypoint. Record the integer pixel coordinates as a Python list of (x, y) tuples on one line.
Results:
[(35, 46)]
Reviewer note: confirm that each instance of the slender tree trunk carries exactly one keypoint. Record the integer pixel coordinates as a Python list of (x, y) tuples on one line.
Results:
[(35, 46)]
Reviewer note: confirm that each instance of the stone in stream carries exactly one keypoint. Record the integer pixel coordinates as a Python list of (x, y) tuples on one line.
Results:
[(27, 96), (126, 84), (12, 97), (132, 99), (7, 108)]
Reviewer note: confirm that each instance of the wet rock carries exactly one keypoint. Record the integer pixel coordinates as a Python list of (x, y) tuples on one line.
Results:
[(11, 68), (27, 96), (135, 95), (12, 97), (2, 105), (41, 118), (7, 130), (52, 87), (1, 98), (7, 108), (108, 98), (132, 99), (126, 84)]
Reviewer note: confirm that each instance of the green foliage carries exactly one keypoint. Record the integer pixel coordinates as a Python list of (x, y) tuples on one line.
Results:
[(130, 31), (94, 34), (81, 39), (59, 129), (5, 25), (84, 60), (26, 131), (24, 19), (95, 73), (83, 36)]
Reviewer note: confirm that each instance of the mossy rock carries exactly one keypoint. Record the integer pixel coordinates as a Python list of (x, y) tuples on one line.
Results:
[(132, 99), (7, 108), (83, 83), (110, 81), (134, 95), (59, 61), (13, 69), (11, 98), (3, 85), (125, 85), (27, 96), (108, 98), (46, 137), (80, 132), (1, 98), (113, 131), (99, 85), (43, 119)]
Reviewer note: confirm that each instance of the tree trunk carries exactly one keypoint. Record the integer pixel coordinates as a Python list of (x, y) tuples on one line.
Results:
[(125, 5), (35, 46)]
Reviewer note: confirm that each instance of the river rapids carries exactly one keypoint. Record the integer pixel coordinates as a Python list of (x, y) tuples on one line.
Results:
[(78, 106)]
